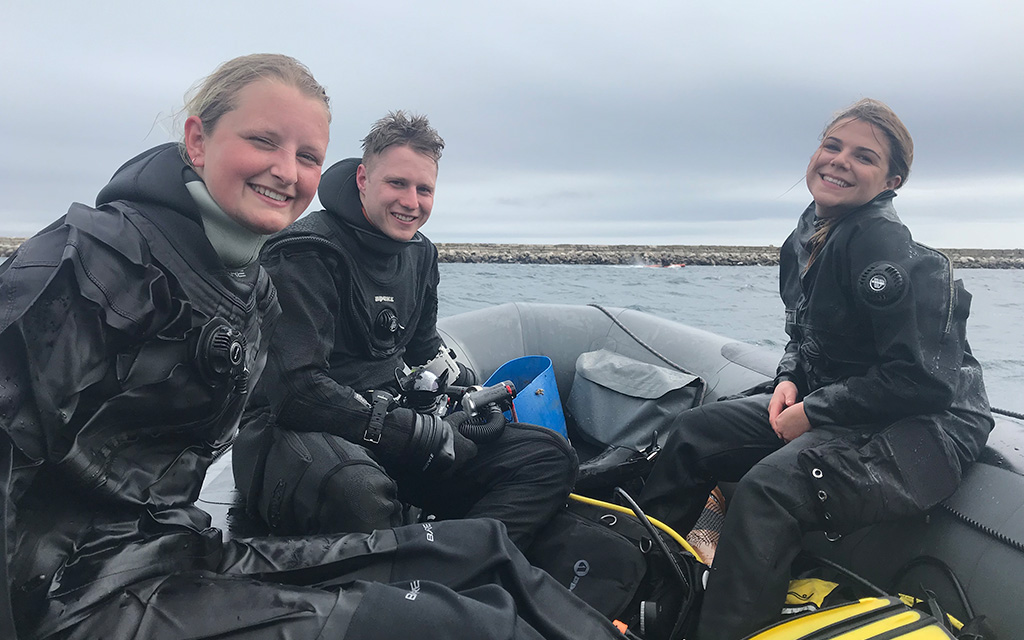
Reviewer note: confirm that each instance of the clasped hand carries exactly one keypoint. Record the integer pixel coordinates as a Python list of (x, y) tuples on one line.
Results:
[(785, 414)]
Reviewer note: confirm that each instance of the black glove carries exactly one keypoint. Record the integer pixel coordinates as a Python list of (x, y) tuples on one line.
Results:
[(467, 377), (430, 443)]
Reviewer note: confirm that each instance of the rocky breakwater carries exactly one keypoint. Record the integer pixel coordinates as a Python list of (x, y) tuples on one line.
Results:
[(667, 255), (652, 255), (8, 245)]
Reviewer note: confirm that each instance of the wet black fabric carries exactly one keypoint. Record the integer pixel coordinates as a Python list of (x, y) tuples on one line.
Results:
[(357, 306), (863, 360), (112, 419), (895, 400), (111, 412), (316, 482), (446, 580)]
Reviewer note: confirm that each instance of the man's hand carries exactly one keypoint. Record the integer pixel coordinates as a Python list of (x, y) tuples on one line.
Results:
[(433, 444)]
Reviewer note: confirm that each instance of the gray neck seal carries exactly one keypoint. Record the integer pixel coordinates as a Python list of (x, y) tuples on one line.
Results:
[(236, 245)]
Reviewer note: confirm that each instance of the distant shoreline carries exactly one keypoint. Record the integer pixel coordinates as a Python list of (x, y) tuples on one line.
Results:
[(654, 255), (668, 255)]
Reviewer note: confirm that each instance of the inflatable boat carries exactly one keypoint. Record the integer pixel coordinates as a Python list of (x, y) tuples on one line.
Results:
[(969, 550)]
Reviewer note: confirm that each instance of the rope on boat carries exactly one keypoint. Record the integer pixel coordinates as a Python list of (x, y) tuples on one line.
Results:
[(1007, 412), (652, 350)]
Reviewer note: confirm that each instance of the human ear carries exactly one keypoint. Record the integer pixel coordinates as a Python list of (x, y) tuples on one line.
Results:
[(195, 140), (361, 177), (893, 182)]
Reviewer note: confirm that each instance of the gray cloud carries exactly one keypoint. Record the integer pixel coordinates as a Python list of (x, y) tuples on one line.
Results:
[(565, 122)]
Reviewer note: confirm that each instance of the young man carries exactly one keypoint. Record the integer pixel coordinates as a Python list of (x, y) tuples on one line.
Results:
[(321, 449)]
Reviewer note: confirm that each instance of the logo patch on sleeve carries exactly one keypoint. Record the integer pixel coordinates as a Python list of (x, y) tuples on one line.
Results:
[(882, 284)]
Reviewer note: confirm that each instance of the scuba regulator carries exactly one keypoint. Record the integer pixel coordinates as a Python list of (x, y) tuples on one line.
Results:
[(477, 412)]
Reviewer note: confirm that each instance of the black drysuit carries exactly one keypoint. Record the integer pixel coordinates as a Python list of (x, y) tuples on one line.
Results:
[(126, 354), (357, 306), (896, 403)]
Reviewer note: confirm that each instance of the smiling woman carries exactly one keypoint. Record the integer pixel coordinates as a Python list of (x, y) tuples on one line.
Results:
[(131, 337), (261, 161), (877, 407)]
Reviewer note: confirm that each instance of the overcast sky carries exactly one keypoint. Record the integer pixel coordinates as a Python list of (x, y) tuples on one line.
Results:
[(637, 122)]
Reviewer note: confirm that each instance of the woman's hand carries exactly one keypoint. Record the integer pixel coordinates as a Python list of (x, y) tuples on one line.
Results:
[(791, 423), (785, 414), (783, 397)]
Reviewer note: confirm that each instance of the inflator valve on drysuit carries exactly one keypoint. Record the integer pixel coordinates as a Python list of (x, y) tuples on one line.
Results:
[(220, 353)]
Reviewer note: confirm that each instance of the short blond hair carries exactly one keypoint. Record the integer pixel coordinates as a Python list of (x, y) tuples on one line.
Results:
[(399, 128)]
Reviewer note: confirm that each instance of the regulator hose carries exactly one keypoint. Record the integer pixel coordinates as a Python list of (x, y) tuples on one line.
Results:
[(657, 523), (480, 432)]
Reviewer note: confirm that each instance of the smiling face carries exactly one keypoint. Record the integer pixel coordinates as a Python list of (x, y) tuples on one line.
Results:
[(849, 168), (397, 191), (262, 161)]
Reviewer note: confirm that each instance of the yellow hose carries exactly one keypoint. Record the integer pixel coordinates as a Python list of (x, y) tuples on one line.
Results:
[(658, 523)]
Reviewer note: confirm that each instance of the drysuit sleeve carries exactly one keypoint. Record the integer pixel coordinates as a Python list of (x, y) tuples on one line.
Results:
[(789, 369), (426, 341), (792, 257), (296, 380), (918, 317), (73, 298)]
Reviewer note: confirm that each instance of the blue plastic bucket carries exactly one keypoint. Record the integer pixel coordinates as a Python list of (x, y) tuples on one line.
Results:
[(537, 401)]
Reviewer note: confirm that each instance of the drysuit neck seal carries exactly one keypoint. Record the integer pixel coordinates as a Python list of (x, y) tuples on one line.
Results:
[(236, 245)]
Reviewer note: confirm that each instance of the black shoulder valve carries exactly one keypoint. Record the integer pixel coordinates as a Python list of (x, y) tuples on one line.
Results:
[(220, 355), (882, 284)]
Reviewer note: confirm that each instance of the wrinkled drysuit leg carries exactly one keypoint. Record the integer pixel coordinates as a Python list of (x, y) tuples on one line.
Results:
[(318, 483), (770, 508), (472, 557), (773, 505), (719, 441), (439, 580), (314, 482), (521, 479)]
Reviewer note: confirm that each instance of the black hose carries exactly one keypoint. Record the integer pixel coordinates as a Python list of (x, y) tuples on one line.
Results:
[(847, 572), (942, 566), (480, 432), (691, 590)]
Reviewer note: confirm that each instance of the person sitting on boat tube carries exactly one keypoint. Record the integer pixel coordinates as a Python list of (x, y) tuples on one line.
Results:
[(877, 407), (130, 336), (358, 287)]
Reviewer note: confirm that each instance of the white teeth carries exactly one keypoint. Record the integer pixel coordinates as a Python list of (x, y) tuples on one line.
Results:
[(273, 195), (403, 218), (835, 181)]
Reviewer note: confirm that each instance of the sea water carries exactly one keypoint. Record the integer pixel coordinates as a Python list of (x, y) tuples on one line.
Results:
[(739, 302)]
